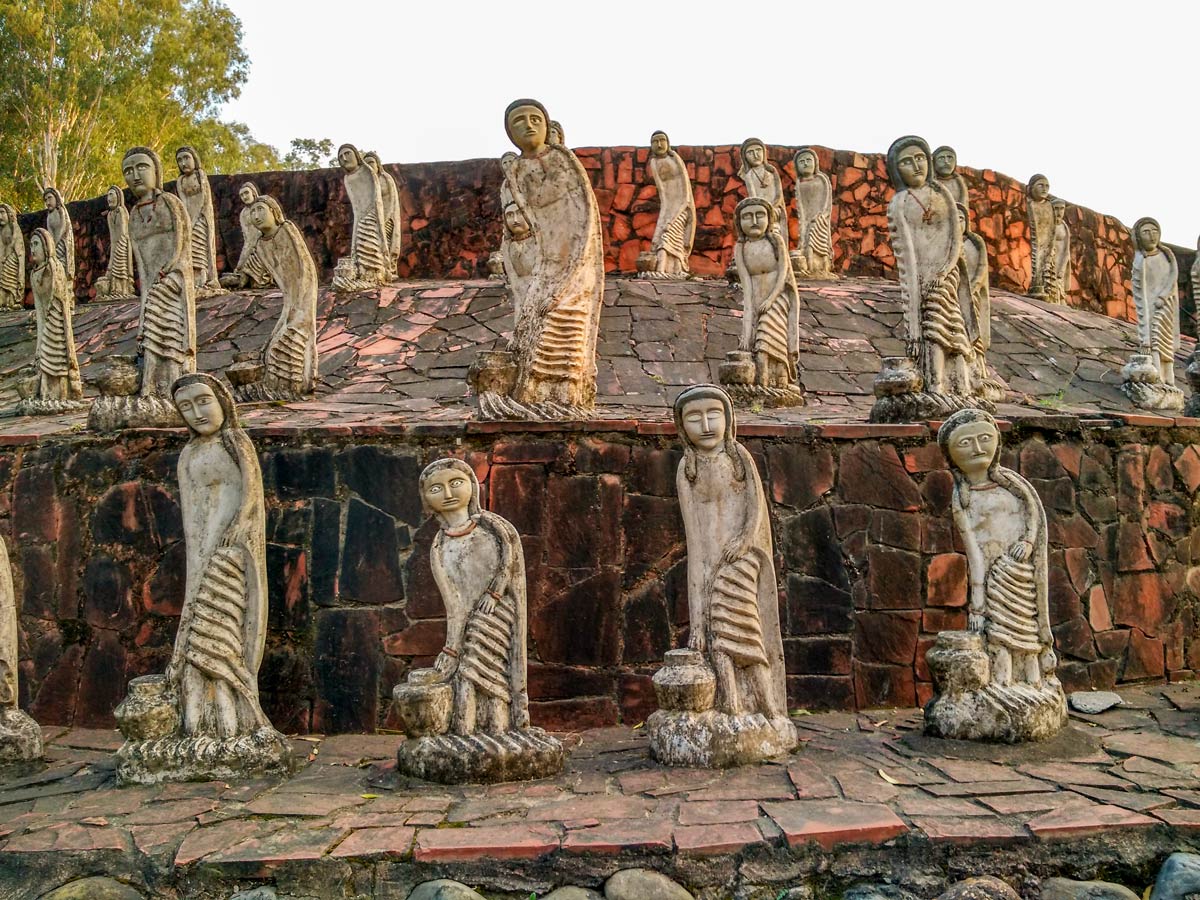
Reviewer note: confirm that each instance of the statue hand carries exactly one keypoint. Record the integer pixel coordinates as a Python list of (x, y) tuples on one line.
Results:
[(486, 604), (912, 348), (445, 663), (1048, 661), (731, 554), (976, 623), (696, 641), (1021, 551)]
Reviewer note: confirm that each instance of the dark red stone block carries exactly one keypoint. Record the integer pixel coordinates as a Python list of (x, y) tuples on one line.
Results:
[(886, 637), (554, 682), (138, 515), (518, 493), (896, 529), (55, 701), (326, 551), (811, 547), (287, 588), (102, 680), (894, 579), (652, 471), (370, 570), (800, 474), (946, 580), (873, 474), (387, 481), (108, 594), (647, 627), (286, 690), (164, 592), (40, 588), (575, 715), (820, 692), (653, 535), (1143, 601), (635, 695), (1159, 476), (594, 456), (817, 655), (1063, 600), (1074, 638), (937, 489), (347, 663), (303, 472), (1039, 461), (1131, 482), (586, 516), (1144, 658), (876, 686), (578, 621), (425, 637), (36, 506), (817, 607)]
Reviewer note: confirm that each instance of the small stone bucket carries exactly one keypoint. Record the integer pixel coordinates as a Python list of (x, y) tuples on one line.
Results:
[(493, 371), (897, 375), (738, 368), (247, 369), (958, 662), (150, 709), (685, 683), (1141, 370), (423, 703), (120, 378)]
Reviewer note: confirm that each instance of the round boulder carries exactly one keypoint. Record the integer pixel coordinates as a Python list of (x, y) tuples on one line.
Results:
[(572, 893), (984, 888), (643, 884), (1178, 878), (443, 889), (1066, 889), (97, 888)]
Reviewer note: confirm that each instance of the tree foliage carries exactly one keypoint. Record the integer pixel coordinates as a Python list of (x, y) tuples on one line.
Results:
[(310, 153), (83, 80)]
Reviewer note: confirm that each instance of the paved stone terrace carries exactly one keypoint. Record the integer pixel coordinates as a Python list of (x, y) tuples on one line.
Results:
[(398, 357), (1115, 795)]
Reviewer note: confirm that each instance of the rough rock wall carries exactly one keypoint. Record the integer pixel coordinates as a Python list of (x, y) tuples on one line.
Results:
[(452, 218), (869, 567)]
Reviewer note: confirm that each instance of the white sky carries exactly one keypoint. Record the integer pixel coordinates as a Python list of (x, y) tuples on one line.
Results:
[(1099, 96)]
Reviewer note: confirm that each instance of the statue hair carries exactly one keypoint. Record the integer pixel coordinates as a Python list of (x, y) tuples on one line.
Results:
[(473, 506), (231, 429), (893, 157), (707, 392), (970, 416)]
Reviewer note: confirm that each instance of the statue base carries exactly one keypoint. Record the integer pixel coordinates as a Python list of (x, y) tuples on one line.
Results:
[(921, 406), (119, 413), (737, 374), (20, 737), (32, 406), (346, 279), (1192, 407), (200, 757), (481, 758), (1155, 397), (261, 392), (717, 740)]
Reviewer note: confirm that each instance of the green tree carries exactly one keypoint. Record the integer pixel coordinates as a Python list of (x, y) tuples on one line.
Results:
[(83, 80), (310, 153)]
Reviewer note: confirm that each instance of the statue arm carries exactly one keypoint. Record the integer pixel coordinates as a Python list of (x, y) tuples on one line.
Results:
[(505, 537), (976, 567), (782, 270), (696, 593), (1143, 304), (743, 544), (906, 270), (749, 304)]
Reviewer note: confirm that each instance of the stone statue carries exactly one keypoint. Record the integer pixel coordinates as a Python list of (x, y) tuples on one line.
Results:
[(813, 258), (20, 736), (1149, 376), (117, 282), (58, 223), (468, 718), (249, 271), (1195, 279), (549, 368), (764, 367), (974, 299), (722, 701), (367, 265), (935, 378), (59, 388), (945, 172), (289, 363), (202, 721), (1058, 270), (995, 681), (12, 259), (1040, 213), (161, 236), (192, 188), (762, 181), (556, 134), (392, 217), (676, 228)]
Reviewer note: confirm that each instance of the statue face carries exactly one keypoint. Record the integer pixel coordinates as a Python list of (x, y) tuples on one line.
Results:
[(372, 163), (1148, 237), (186, 163), (37, 251), (704, 422), (347, 160), (246, 195), (50, 200), (755, 220), (262, 218), (140, 175), (1040, 189), (660, 146), (528, 128), (516, 223), (973, 447), (3, 217), (962, 221), (944, 163), (913, 165), (200, 409), (1060, 213), (447, 491), (114, 199), (806, 165), (555, 134), (755, 154)]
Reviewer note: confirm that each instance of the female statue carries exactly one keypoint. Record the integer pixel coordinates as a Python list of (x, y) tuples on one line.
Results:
[(117, 282), (945, 165), (1040, 213), (762, 181), (291, 352), (58, 223), (556, 135), (521, 258), (192, 188), (54, 357), (676, 228), (770, 318), (927, 242), (12, 259), (1058, 280), (368, 263), (1156, 296), (392, 217), (161, 237), (1002, 524), (556, 320), (974, 298), (250, 271), (20, 736), (814, 211)]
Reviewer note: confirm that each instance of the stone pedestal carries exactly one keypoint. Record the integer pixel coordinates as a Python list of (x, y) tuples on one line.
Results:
[(119, 406), (493, 376), (20, 737), (1143, 385), (737, 378), (900, 395), (968, 707), (687, 731), (32, 405), (1192, 407), (424, 705)]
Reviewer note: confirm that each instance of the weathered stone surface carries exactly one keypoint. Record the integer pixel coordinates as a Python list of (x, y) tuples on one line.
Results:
[(643, 884), (98, 887), (443, 889), (1093, 702), (984, 888), (1066, 889), (1178, 879)]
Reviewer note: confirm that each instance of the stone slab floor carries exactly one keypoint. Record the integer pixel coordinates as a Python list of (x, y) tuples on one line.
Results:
[(1111, 796)]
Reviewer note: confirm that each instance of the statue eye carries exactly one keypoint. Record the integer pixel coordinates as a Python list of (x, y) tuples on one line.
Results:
[(435, 488)]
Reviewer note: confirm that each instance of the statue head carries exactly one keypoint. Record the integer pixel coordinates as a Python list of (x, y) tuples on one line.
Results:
[(349, 158), (248, 193), (752, 218), (8, 685), (188, 160), (706, 425), (1038, 187), (114, 197), (143, 172), (51, 198), (555, 134), (516, 222), (964, 218), (448, 488), (40, 243), (7, 215), (970, 441), (908, 162), (371, 158), (266, 214), (945, 160), (205, 403), (1146, 234), (1060, 209), (754, 154), (527, 125), (660, 144), (805, 162)]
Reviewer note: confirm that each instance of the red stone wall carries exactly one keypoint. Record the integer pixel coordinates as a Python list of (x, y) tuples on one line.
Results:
[(869, 566), (452, 219)]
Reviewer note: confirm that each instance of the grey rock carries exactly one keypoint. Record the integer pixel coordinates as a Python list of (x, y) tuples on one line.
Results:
[(1066, 889), (985, 888), (573, 893), (878, 892), (1093, 702), (258, 893), (1178, 878), (443, 889), (643, 884), (97, 888)]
